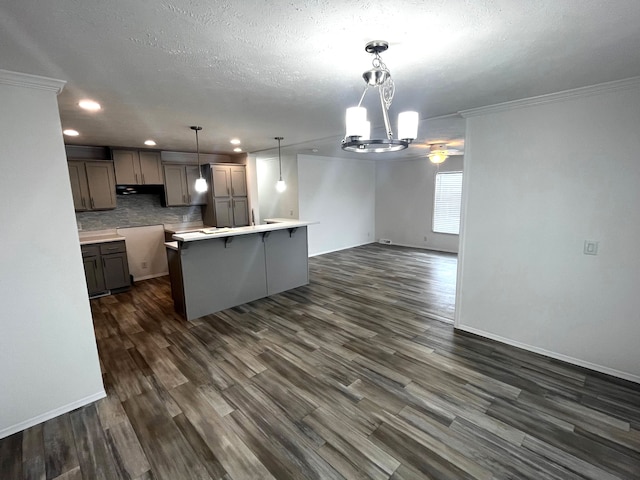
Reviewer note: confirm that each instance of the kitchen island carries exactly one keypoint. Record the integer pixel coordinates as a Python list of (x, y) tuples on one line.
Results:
[(218, 268)]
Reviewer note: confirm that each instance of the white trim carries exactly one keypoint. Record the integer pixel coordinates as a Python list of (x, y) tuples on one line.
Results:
[(461, 238), (339, 249), (421, 247), (18, 427), (558, 356), (591, 90), (31, 81), (148, 277)]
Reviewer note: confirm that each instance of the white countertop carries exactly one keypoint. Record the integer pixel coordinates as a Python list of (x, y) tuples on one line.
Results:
[(99, 236), (231, 232)]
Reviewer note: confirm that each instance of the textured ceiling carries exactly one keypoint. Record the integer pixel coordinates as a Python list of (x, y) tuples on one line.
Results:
[(259, 69)]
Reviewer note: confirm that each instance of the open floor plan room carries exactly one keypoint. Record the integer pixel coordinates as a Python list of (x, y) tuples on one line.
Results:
[(354, 376)]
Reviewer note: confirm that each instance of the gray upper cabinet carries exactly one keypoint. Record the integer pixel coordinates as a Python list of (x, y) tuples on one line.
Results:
[(227, 203), (93, 185), (179, 186), (137, 167)]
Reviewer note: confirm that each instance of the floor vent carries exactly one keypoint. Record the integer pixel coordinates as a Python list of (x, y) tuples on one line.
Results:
[(386, 241)]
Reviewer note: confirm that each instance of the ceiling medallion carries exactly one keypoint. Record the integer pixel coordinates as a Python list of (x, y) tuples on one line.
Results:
[(359, 128)]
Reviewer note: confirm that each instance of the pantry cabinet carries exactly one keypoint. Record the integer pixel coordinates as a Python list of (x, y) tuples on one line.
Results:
[(227, 202)]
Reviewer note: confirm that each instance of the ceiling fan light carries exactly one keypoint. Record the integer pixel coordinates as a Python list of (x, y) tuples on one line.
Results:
[(437, 156), (408, 125)]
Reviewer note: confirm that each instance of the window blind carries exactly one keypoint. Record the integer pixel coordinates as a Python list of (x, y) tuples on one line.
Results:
[(446, 207)]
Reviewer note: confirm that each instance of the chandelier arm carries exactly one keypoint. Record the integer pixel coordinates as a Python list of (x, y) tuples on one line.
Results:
[(385, 115), (366, 87)]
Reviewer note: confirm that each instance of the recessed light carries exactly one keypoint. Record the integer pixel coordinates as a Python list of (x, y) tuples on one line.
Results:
[(237, 149), (89, 105), (69, 132), (235, 141), (151, 143)]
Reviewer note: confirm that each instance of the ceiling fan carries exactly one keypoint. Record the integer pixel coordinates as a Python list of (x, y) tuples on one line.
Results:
[(438, 152)]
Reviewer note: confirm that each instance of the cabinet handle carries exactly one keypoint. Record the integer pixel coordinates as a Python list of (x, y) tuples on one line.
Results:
[(233, 192), (136, 175), (95, 263), (83, 203), (184, 199), (143, 182), (189, 197), (227, 190), (93, 205), (104, 265)]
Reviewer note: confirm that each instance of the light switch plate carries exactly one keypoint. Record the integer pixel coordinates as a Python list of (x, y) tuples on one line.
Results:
[(590, 247)]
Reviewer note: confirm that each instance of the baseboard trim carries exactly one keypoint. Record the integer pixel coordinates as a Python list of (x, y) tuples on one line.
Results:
[(421, 247), (18, 427), (557, 356), (339, 249), (149, 277)]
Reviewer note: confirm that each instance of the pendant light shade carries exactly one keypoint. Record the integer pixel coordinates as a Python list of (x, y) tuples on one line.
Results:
[(201, 184), (281, 186)]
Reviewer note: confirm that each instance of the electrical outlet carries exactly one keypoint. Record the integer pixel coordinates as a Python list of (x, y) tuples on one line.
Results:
[(144, 265), (590, 247), (291, 213), (425, 238), (185, 218)]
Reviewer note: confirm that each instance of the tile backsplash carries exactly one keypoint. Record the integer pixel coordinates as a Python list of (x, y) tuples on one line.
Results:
[(137, 210)]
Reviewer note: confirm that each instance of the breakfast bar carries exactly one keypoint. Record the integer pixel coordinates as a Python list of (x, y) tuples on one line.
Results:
[(217, 268)]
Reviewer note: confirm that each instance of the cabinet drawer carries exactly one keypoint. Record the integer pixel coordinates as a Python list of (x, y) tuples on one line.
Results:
[(89, 250), (112, 247)]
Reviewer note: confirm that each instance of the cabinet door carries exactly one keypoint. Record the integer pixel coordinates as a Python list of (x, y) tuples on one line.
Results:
[(240, 211), (93, 274), (102, 185), (116, 271), (151, 173), (195, 198), (127, 167), (221, 181), (238, 181), (175, 185), (79, 187), (224, 215)]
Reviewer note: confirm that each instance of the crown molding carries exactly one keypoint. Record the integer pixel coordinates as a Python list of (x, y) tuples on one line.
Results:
[(627, 83), (31, 81)]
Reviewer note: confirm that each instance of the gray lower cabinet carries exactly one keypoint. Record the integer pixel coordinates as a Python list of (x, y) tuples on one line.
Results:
[(106, 267), (93, 269)]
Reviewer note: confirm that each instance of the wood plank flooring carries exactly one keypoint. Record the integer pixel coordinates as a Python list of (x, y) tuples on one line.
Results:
[(352, 377)]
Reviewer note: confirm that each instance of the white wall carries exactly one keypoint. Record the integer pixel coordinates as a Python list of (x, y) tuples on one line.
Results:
[(404, 203), (48, 357), (340, 194), (274, 204), (539, 181), (146, 252)]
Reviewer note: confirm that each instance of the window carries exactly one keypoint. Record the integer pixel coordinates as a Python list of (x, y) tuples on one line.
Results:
[(446, 207)]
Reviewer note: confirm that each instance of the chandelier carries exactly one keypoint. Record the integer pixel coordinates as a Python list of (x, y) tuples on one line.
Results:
[(359, 128)]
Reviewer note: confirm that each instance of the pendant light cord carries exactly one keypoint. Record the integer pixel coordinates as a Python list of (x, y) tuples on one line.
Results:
[(280, 156)]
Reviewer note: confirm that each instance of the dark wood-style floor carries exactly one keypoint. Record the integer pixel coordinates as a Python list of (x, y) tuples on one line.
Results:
[(350, 377)]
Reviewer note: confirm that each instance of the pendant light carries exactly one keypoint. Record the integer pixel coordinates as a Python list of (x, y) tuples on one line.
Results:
[(201, 183), (280, 185)]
